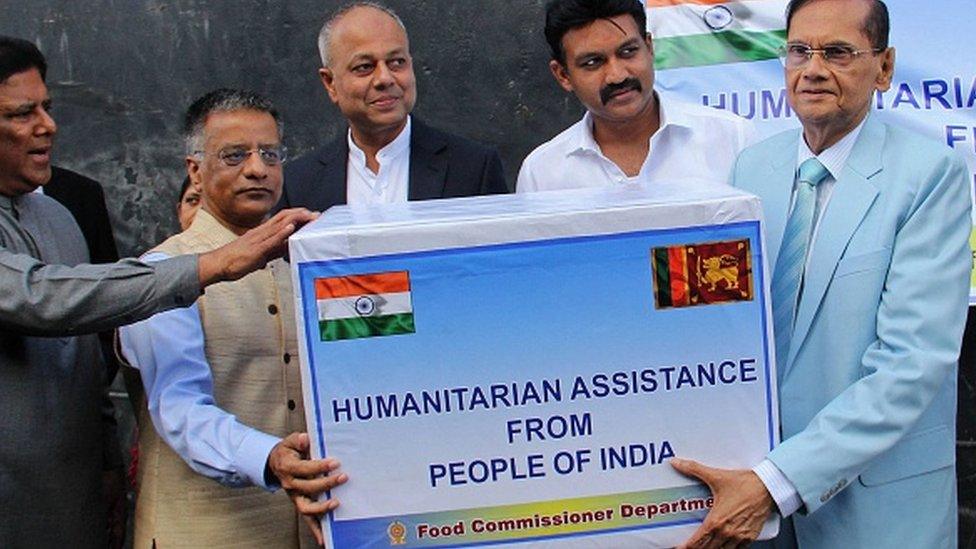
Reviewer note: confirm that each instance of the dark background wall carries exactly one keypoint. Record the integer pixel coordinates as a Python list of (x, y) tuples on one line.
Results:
[(122, 71)]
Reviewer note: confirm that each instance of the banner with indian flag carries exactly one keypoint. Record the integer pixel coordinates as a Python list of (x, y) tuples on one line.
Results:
[(365, 305), (689, 33), (506, 415)]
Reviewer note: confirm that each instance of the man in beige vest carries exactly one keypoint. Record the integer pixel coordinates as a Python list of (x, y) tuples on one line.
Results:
[(222, 379)]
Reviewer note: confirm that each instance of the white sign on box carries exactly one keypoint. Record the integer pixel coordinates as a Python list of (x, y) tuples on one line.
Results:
[(520, 369)]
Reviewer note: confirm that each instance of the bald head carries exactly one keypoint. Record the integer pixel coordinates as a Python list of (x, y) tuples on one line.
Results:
[(368, 71), (360, 12)]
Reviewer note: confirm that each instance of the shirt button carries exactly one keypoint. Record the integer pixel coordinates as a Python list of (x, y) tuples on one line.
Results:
[(286, 358), (291, 404), (273, 309)]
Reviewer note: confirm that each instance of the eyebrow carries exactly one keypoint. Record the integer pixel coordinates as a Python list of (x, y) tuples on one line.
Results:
[(360, 57), (831, 43), (24, 107), (369, 57), (632, 41), (247, 145), (585, 56)]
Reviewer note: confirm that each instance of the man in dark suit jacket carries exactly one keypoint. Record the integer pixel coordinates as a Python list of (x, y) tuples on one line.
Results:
[(85, 200), (368, 73), (441, 166)]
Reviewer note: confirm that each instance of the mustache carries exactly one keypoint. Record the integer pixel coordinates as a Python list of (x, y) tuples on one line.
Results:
[(606, 93)]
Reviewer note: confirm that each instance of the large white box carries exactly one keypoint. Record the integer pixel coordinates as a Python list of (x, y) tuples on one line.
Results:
[(520, 369)]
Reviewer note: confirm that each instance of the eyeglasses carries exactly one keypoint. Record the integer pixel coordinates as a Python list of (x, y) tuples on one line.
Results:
[(795, 56), (235, 156)]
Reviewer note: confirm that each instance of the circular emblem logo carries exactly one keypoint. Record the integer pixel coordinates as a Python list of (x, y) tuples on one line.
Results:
[(718, 18), (397, 532), (365, 306)]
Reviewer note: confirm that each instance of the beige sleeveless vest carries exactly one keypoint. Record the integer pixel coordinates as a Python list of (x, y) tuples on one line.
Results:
[(249, 332)]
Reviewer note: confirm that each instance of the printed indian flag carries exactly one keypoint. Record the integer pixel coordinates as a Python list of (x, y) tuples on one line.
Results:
[(691, 33), (366, 305)]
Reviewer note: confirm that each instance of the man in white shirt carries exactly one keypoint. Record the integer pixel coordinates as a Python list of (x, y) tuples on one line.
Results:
[(387, 156), (601, 53)]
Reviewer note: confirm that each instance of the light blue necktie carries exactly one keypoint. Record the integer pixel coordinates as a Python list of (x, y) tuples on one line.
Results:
[(788, 274)]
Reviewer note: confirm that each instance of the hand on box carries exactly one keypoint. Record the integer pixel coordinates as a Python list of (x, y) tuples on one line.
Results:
[(305, 478), (742, 504), (254, 249)]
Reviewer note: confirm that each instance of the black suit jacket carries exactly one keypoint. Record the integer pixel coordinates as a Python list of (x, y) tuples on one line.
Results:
[(84, 198), (441, 166)]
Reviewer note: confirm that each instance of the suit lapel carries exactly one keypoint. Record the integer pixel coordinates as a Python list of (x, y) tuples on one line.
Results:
[(775, 191), (428, 164), (334, 162), (850, 200), (774, 187)]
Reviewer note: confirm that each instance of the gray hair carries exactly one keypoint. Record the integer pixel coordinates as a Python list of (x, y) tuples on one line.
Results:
[(222, 100), (325, 35), (876, 27)]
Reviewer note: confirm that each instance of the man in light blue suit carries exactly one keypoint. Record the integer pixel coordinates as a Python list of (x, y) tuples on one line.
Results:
[(867, 228)]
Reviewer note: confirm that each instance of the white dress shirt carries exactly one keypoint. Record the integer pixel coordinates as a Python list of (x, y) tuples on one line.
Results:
[(168, 351), (833, 158), (387, 186), (693, 143)]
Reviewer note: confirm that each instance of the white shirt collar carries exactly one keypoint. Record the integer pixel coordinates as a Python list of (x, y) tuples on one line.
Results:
[(834, 157), (671, 117), (392, 150)]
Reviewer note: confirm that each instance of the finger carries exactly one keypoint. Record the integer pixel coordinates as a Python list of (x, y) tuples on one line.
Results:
[(302, 442), (314, 508), (299, 442), (314, 487), (283, 231), (274, 245), (692, 468), (297, 216), (316, 528), (286, 213), (296, 212), (272, 227), (295, 467)]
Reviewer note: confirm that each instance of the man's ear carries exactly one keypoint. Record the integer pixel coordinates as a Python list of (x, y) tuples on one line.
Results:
[(193, 172), (649, 40), (561, 75), (328, 82), (883, 81)]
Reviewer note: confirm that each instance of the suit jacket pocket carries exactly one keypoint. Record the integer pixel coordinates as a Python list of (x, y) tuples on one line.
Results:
[(858, 263), (920, 452)]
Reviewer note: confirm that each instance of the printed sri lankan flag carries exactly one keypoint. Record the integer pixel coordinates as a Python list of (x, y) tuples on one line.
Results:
[(692, 33), (366, 305), (702, 274)]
